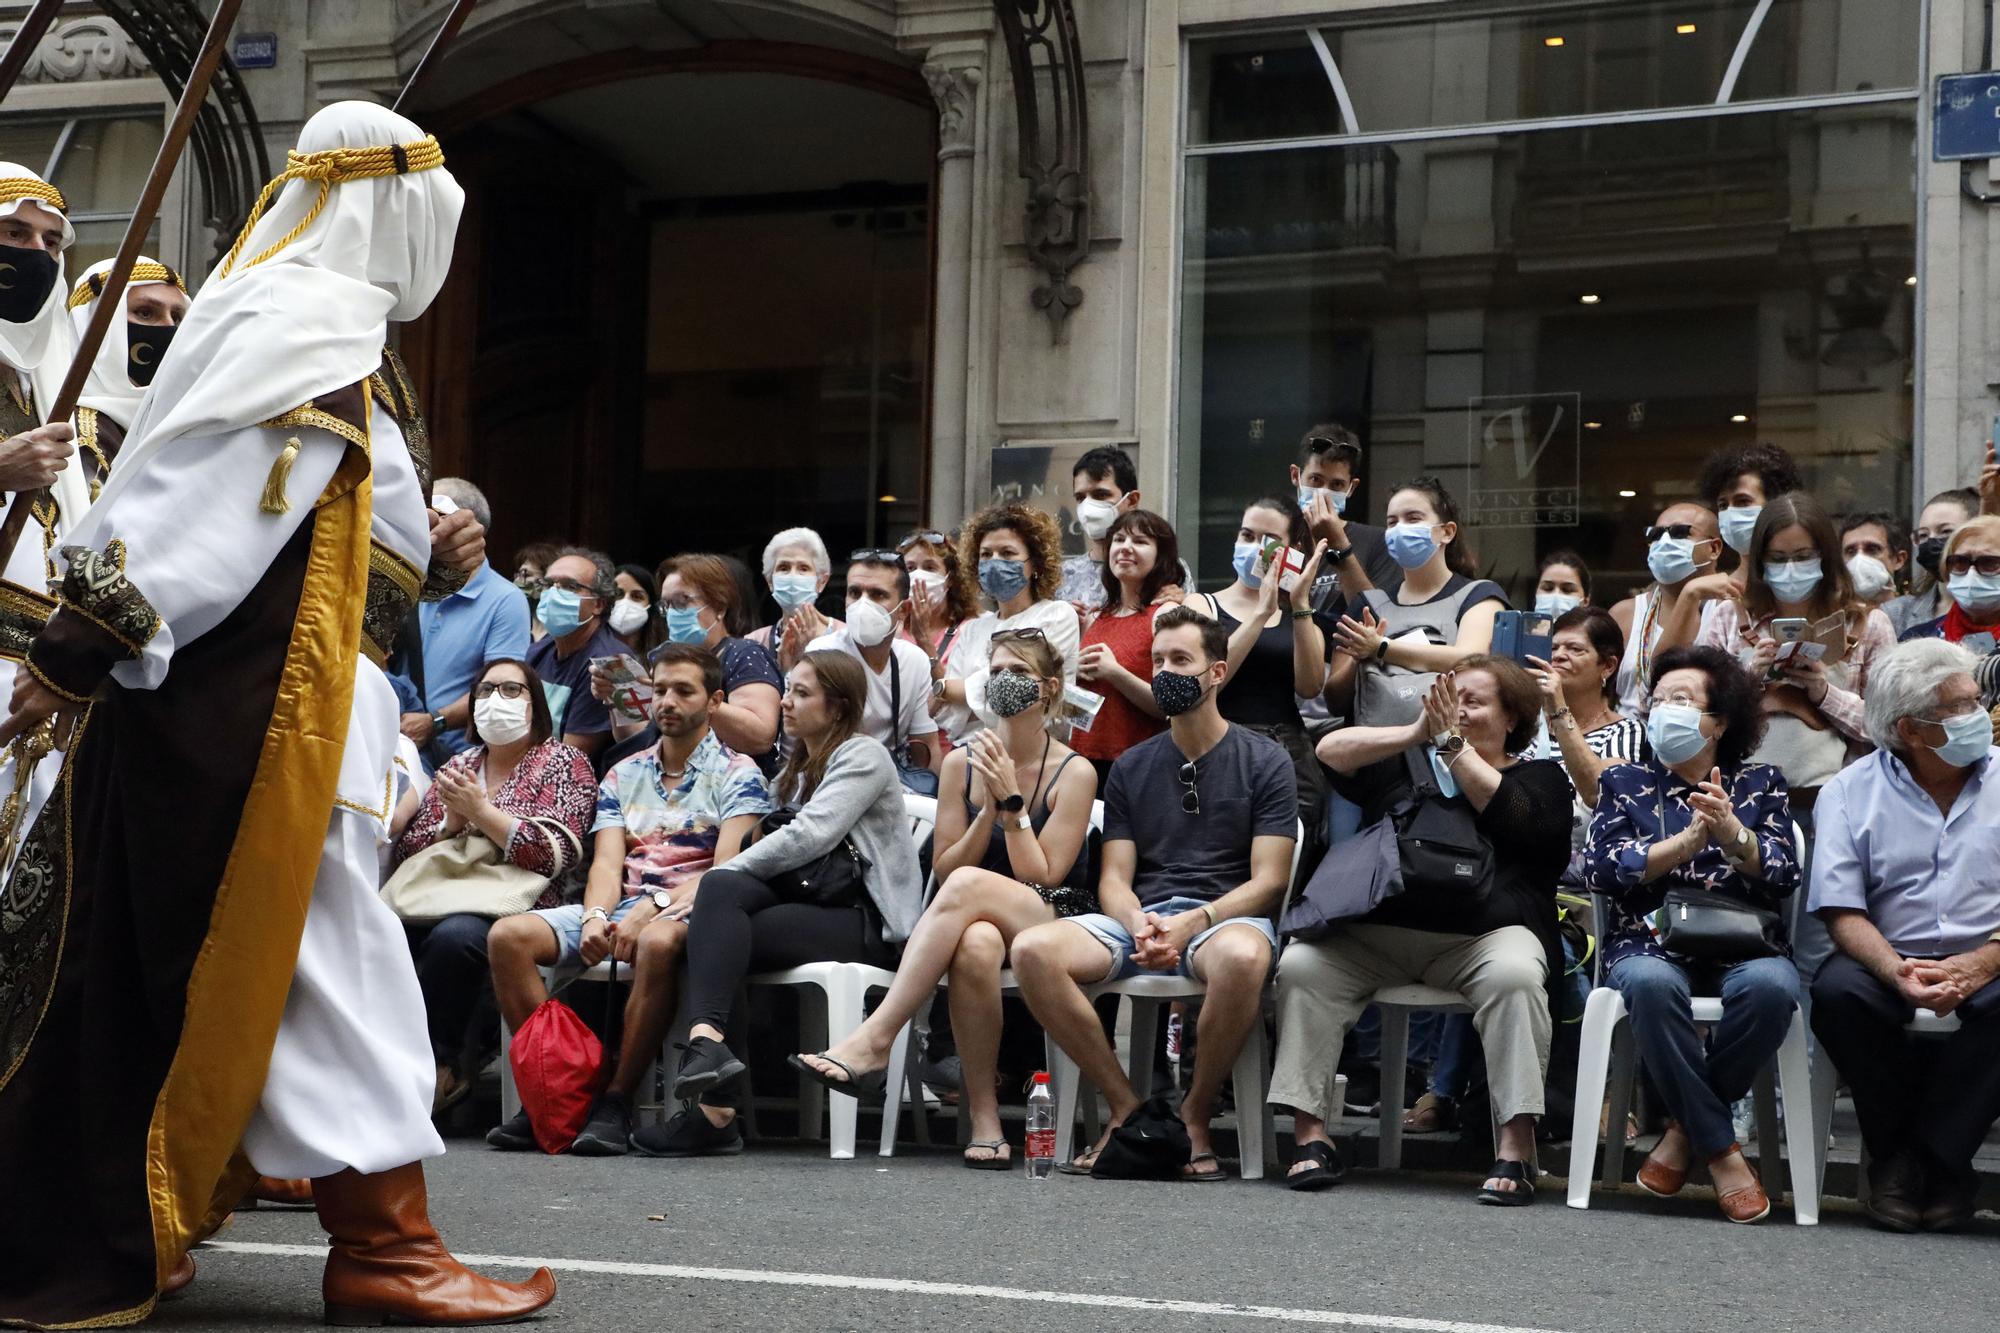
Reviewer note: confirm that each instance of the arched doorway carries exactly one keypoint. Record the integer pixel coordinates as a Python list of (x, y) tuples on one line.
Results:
[(690, 304)]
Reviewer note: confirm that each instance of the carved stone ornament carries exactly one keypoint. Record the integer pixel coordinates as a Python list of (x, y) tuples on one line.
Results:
[(82, 49), (1049, 103), (955, 91)]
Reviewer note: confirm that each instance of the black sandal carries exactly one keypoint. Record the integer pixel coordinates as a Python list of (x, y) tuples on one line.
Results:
[(1082, 1163), (870, 1089), (1326, 1171), (1194, 1177), (993, 1161), (1505, 1168)]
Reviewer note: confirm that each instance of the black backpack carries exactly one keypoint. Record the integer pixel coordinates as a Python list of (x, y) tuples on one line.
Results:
[(1152, 1144), (1443, 852)]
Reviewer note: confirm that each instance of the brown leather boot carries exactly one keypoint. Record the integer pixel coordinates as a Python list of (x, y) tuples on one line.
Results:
[(270, 1189), (182, 1275), (386, 1262)]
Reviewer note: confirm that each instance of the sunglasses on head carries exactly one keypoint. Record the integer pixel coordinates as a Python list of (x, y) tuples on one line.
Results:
[(927, 538), (1025, 634), (875, 555)]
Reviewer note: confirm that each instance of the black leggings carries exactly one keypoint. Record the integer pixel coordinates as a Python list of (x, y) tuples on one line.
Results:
[(740, 926)]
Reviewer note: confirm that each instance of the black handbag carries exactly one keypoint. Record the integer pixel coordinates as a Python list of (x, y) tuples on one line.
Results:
[(1441, 848), (1709, 926), (836, 879), (1152, 1144)]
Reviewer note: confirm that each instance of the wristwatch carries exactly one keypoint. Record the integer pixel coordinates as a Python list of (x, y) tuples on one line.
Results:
[(1020, 824), (1011, 805), (437, 723), (1449, 744), (1382, 651), (1337, 557), (599, 913), (662, 899)]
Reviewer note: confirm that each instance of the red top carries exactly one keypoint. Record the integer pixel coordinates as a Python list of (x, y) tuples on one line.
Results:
[(1956, 626), (1119, 725)]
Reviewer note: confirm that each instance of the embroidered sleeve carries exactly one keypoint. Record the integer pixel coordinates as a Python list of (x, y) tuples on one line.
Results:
[(101, 619), (442, 581)]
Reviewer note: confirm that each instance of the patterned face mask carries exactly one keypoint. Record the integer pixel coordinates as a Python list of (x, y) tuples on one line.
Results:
[(1175, 693), (1009, 693)]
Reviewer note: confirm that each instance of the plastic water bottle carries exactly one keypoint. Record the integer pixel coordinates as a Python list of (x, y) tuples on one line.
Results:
[(1041, 1147)]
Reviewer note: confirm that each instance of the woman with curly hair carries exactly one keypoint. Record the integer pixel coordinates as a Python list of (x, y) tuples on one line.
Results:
[(1700, 818), (1014, 555), (942, 597)]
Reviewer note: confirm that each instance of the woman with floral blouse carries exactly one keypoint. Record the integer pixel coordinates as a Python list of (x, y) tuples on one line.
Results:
[(1697, 816), (534, 797)]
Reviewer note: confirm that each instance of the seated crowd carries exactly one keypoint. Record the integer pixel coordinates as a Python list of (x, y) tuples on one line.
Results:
[(1319, 778)]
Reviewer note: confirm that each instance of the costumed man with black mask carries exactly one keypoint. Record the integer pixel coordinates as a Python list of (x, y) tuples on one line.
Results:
[(204, 983), (36, 347), (156, 301)]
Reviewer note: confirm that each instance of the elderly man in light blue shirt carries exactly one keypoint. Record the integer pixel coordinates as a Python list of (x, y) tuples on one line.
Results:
[(482, 622), (1906, 874)]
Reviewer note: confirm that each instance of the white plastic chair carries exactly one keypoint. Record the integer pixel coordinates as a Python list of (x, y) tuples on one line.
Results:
[(1396, 1004), (1149, 994), (831, 1006), (1826, 1085)]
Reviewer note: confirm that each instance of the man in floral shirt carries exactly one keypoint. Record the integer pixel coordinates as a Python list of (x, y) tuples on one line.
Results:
[(664, 816)]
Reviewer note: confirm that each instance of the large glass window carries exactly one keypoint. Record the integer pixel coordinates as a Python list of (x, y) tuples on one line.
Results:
[(100, 165), (1560, 322)]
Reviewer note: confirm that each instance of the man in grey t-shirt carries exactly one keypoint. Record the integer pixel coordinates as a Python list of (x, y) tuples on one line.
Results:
[(1199, 826)]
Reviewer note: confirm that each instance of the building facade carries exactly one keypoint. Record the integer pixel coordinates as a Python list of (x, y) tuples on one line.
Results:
[(730, 266)]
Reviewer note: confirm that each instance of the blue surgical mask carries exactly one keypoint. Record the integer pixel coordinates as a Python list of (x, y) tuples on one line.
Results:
[(1737, 524), (792, 591), (1967, 737), (1675, 731), (1671, 559), (684, 625), (1556, 603), (1244, 562), (1977, 594), (1795, 581), (1003, 580), (561, 611), (1338, 499), (1411, 544)]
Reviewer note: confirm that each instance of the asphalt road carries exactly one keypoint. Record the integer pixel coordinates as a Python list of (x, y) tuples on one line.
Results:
[(778, 1238)]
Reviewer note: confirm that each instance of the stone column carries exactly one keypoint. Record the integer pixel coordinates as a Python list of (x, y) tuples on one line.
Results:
[(957, 94)]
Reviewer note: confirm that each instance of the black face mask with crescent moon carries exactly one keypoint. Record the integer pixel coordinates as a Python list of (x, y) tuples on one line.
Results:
[(145, 346), (26, 279)]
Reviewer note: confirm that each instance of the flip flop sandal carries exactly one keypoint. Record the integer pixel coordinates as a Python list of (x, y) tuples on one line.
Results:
[(1508, 1169), (1081, 1164), (870, 1089), (993, 1162), (1325, 1172), (1194, 1177)]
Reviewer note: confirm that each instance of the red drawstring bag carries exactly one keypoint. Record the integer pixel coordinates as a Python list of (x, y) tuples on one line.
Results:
[(559, 1069)]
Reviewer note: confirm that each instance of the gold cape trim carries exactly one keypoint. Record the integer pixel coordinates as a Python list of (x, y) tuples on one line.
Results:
[(236, 993)]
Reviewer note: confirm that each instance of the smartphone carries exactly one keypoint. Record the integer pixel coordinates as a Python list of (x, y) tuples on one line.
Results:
[(1521, 635)]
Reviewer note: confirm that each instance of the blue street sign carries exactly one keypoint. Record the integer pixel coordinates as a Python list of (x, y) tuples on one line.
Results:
[(1966, 119), (255, 50)]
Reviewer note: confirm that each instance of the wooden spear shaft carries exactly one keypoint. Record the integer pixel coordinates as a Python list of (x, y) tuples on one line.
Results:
[(26, 38)]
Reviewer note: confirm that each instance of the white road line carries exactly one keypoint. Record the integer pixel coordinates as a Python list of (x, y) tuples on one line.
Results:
[(903, 1286)]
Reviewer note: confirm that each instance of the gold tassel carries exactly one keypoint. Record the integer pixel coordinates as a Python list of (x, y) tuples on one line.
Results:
[(274, 501)]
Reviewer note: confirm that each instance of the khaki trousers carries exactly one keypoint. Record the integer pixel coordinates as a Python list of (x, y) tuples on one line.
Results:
[(1324, 985)]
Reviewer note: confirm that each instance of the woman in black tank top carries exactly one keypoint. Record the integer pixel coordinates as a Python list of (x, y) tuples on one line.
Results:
[(1013, 821)]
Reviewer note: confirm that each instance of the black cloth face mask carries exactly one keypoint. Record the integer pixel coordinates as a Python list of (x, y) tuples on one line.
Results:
[(26, 279), (145, 345), (1930, 553)]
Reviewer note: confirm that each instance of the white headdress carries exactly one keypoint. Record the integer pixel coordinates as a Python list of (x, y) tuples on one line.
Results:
[(41, 346), (110, 389)]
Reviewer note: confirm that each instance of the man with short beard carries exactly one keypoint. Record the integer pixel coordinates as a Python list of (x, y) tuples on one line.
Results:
[(664, 816)]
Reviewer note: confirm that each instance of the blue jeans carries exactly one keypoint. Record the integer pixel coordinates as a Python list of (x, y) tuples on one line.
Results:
[(1757, 1002)]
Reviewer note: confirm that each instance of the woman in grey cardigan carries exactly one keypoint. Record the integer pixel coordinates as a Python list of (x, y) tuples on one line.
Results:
[(837, 784)]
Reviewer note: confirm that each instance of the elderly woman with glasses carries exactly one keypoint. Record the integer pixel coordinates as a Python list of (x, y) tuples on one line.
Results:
[(533, 797), (1969, 572), (1699, 830)]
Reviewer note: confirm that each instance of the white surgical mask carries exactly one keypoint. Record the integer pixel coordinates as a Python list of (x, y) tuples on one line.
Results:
[(1096, 516), (1737, 526), (1871, 577), (867, 624), (502, 721), (1556, 603), (928, 579), (627, 616)]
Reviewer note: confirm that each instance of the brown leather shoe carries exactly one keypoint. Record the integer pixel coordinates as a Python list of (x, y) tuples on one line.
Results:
[(1895, 1192), (178, 1279), (270, 1189), (1950, 1199), (1749, 1204), (1431, 1115), (1656, 1177), (386, 1261)]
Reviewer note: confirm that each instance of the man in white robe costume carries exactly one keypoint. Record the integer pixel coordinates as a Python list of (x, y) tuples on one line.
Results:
[(203, 880)]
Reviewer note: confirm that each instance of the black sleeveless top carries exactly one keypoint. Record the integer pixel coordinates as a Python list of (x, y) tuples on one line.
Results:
[(1260, 693), (1078, 891)]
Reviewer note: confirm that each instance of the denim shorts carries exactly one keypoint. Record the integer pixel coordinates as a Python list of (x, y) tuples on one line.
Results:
[(567, 922), (1111, 933)]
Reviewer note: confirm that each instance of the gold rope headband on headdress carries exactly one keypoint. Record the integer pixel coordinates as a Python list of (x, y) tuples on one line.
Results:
[(92, 286), (15, 188), (331, 167)]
